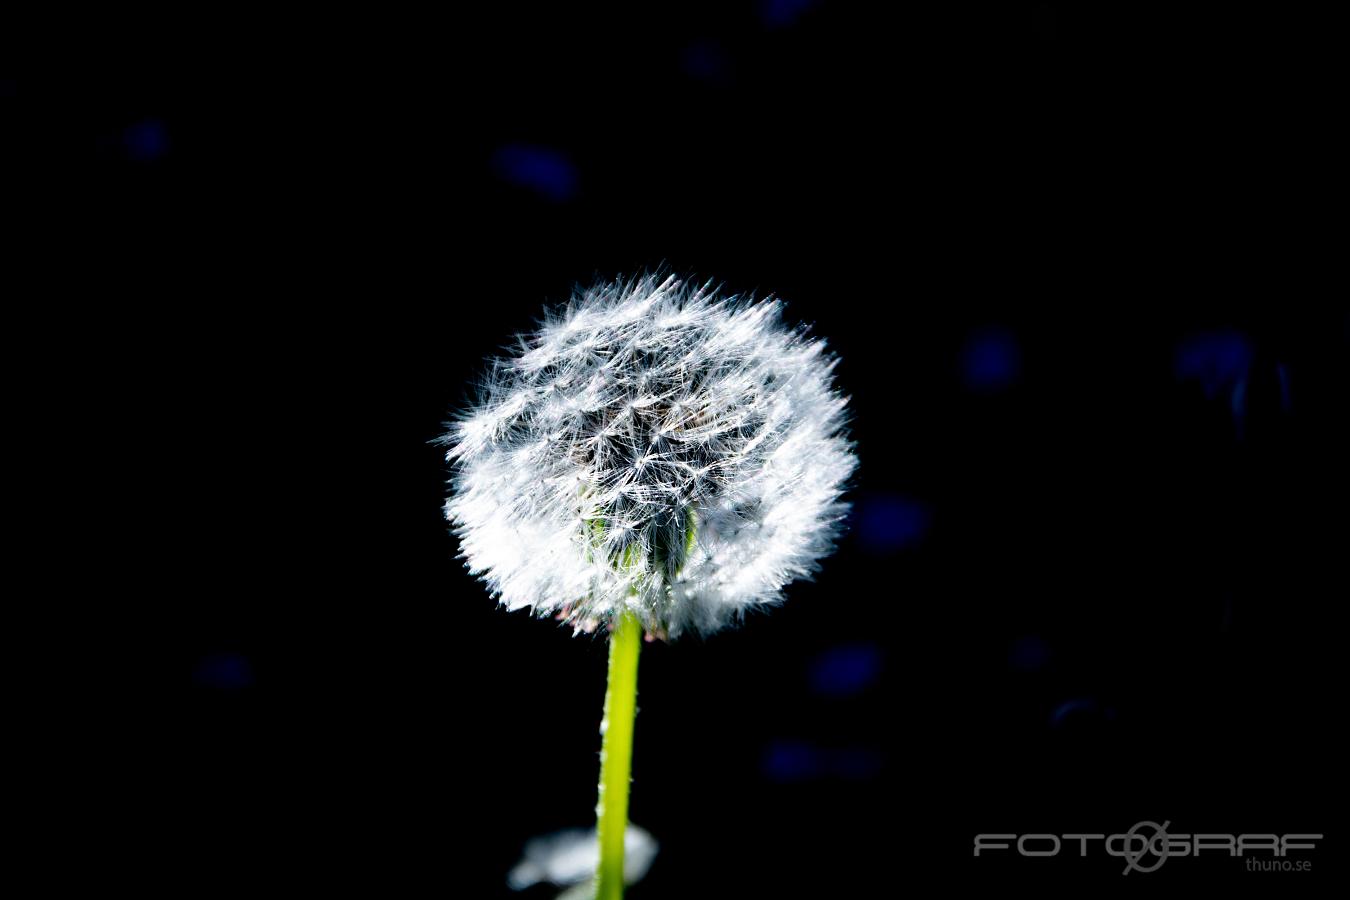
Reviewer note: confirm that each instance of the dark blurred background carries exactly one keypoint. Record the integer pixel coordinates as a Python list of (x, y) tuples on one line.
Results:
[(1070, 254)]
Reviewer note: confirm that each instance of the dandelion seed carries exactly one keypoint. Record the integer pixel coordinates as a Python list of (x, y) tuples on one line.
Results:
[(569, 857)]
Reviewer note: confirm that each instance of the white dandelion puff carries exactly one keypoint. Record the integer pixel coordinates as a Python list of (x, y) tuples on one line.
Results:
[(655, 448)]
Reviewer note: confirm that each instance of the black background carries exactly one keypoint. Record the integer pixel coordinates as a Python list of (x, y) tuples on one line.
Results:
[(286, 304)]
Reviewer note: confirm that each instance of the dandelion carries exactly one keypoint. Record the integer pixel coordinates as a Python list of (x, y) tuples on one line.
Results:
[(655, 457)]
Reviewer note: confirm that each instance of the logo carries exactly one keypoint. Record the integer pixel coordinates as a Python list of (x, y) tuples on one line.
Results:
[(1147, 845)]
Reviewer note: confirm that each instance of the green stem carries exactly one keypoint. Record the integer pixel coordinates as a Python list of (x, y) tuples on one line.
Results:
[(616, 754)]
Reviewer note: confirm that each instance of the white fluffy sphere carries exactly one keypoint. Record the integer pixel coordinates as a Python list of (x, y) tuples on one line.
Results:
[(652, 447)]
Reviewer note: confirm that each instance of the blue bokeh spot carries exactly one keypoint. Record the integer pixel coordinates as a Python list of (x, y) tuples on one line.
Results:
[(990, 361), (1029, 653), (782, 13), (846, 670), (547, 172), (794, 761), (786, 761), (705, 61), (1218, 360), (224, 671), (886, 523), (1070, 710), (146, 141)]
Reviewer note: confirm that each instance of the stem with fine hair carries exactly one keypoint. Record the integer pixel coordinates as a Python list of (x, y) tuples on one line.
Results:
[(616, 754)]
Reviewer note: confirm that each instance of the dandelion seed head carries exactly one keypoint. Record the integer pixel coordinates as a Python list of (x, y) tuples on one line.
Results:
[(652, 447)]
